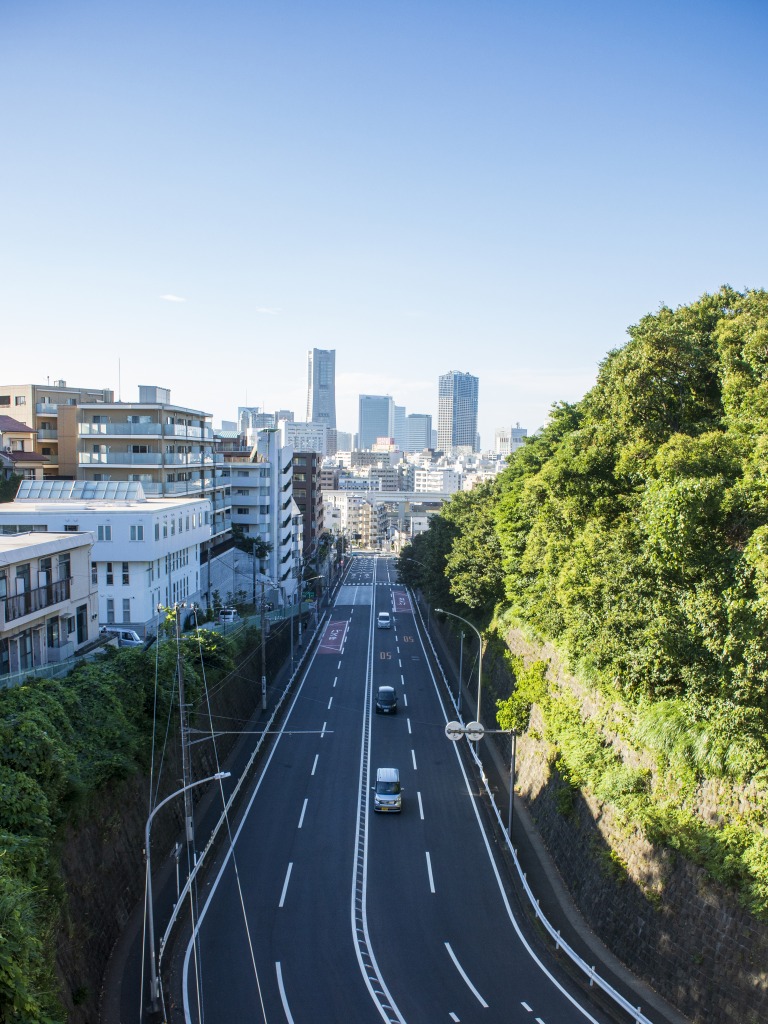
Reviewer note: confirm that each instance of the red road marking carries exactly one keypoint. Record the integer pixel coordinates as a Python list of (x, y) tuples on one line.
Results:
[(333, 637), (402, 601)]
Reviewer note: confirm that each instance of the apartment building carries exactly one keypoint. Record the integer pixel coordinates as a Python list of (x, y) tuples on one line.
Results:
[(166, 448), (308, 496), (48, 602), (146, 551), (38, 406)]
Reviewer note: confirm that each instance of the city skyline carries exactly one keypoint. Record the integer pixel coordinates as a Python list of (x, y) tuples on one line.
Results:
[(196, 201)]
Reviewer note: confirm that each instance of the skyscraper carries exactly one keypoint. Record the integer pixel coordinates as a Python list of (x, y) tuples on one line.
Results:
[(457, 411), (419, 430), (321, 387), (377, 419)]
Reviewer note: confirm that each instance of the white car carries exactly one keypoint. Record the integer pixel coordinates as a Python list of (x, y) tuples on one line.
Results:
[(228, 615), (384, 620)]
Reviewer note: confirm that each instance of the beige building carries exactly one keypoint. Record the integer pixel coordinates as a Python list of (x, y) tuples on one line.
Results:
[(166, 448), (48, 602), (38, 406)]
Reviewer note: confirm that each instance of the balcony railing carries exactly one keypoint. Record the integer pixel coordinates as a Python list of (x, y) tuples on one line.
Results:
[(152, 428), (47, 408), (46, 434), (142, 459), (19, 605)]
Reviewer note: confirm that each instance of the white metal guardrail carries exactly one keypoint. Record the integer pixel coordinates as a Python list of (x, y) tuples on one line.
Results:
[(635, 1012)]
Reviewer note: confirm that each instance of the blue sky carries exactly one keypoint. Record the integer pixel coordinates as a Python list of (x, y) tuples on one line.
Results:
[(498, 188)]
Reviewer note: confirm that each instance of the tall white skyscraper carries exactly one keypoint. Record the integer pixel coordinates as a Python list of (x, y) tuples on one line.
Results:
[(457, 411), (377, 419), (321, 387), (400, 432)]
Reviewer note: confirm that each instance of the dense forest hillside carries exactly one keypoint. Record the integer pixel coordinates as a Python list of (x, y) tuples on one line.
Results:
[(632, 533)]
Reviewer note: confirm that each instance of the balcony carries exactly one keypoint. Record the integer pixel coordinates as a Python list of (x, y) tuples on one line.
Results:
[(46, 434), (156, 459), (36, 600), (46, 409)]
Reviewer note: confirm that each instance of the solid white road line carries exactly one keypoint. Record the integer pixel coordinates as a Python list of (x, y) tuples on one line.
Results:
[(303, 810), (280, 985), (314, 764), (413, 758), (462, 972), (429, 872), (421, 807), (285, 884)]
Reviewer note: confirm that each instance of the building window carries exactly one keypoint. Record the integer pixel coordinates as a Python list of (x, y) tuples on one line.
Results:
[(126, 574), (20, 400), (126, 609), (74, 528), (157, 531), (173, 527), (242, 511), (71, 627), (64, 567), (187, 524), (110, 610), (104, 532), (137, 532), (5, 399), (165, 530), (110, 575), (95, 574)]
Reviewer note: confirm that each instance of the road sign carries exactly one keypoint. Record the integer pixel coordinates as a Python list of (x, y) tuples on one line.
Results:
[(454, 731), (475, 731)]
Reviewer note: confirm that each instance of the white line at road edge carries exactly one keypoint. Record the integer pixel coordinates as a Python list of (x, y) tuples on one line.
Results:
[(280, 985), (429, 872), (285, 884), (494, 868), (463, 973), (240, 827)]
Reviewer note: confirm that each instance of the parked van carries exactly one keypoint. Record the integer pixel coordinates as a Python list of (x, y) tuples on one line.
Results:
[(386, 701), (387, 794), (124, 637), (384, 620), (228, 616)]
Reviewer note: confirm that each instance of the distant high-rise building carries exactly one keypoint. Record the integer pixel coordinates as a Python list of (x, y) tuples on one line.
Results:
[(377, 419), (457, 411), (321, 386), (418, 432), (399, 429)]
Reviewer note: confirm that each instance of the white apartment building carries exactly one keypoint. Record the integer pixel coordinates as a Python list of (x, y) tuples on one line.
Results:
[(146, 551), (435, 479), (304, 437), (48, 602)]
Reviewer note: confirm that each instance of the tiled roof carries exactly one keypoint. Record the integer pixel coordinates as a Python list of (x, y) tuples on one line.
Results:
[(9, 423)]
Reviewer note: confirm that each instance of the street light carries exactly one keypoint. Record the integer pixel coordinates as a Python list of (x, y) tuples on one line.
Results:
[(453, 615), (150, 912)]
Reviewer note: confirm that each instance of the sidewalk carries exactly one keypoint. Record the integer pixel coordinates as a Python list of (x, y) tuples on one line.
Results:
[(546, 882)]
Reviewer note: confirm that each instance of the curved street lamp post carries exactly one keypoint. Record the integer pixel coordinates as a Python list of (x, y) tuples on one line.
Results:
[(453, 615), (155, 994)]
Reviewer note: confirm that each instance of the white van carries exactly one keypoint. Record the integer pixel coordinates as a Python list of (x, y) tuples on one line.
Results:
[(384, 620), (387, 794), (124, 637)]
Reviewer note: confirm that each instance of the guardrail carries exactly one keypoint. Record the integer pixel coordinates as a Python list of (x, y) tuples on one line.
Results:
[(635, 1012)]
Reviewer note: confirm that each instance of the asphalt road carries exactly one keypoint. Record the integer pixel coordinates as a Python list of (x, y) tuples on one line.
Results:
[(326, 912)]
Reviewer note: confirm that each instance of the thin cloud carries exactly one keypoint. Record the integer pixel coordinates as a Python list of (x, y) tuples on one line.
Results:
[(268, 309), (173, 298)]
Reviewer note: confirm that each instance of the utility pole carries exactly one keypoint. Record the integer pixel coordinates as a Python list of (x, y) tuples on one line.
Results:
[(186, 772)]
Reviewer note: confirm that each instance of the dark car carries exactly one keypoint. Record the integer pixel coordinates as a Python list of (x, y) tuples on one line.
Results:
[(386, 701)]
